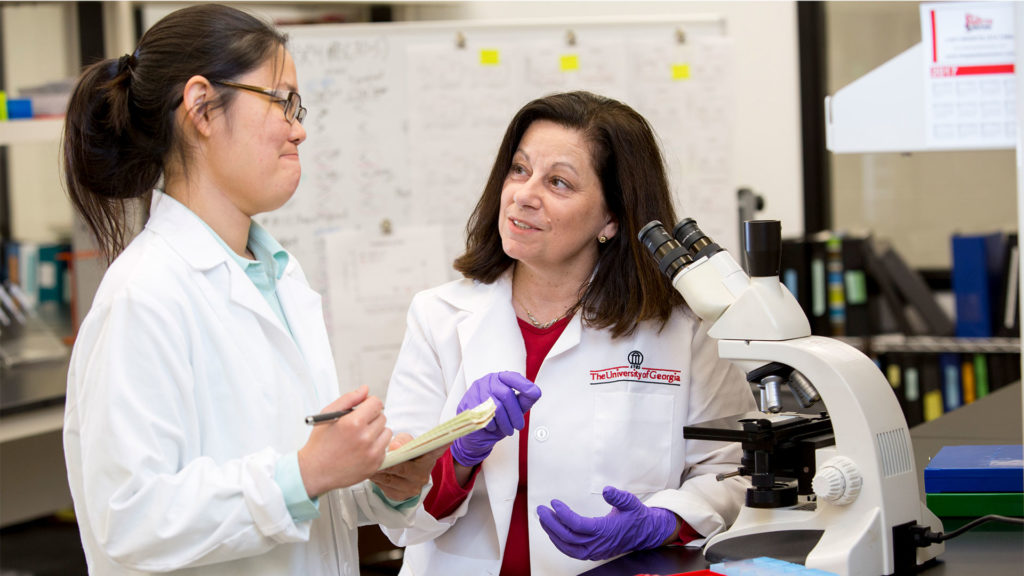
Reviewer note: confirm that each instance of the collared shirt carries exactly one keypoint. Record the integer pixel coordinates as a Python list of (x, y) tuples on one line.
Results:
[(268, 267)]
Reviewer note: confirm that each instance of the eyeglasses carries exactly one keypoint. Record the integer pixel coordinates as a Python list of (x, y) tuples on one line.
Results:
[(292, 102)]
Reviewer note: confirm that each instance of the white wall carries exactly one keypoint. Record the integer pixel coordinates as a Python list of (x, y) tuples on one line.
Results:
[(768, 148)]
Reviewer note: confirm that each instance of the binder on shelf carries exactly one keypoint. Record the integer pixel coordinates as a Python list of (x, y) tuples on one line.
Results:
[(893, 373), (1008, 322), (981, 382), (978, 268), (794, 271), (952, 392), (818, 256), (918, 296), (52, 272), (10, 262), (904, 377), (931, 386), (855, 286), (967, 381), (834, 284), (28, 271)]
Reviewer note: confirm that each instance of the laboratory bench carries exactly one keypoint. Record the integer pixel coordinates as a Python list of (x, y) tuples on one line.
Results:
[(987, 550)]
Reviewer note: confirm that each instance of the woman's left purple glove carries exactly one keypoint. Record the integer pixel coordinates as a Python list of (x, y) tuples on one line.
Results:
[(629, 526)]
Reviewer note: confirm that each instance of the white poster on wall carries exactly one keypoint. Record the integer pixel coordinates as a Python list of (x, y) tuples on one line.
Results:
[(970, 96)]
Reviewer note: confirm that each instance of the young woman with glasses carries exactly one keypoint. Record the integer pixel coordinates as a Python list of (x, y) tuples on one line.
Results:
[(205, 348)]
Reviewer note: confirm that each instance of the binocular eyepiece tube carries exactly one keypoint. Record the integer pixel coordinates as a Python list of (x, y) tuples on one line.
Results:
[(670, 255), (693, 239), (678, 250), (687, 243)]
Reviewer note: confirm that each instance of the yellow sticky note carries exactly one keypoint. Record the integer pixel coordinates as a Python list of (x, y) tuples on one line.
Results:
[(569, 62), (3, 106), (680, 71), (489, 58)]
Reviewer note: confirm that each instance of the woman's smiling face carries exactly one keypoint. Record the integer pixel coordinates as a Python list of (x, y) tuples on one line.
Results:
[(552, 202)]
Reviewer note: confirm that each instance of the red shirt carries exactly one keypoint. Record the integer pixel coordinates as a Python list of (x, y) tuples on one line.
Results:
[(446, 495)]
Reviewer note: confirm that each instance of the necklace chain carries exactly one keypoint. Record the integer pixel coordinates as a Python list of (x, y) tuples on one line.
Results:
[(533, 319), (537, 323), (544, 325)]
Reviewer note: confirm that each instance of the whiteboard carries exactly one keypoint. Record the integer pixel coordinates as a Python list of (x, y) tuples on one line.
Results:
[(403, 125)]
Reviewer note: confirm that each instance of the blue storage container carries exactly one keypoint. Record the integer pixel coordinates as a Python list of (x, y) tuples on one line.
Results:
[(972, 469)]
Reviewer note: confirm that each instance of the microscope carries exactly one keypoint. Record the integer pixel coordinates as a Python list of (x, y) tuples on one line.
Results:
[(837, 490)]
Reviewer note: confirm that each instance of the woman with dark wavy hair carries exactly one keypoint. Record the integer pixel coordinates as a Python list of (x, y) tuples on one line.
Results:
[(594, 360), (205, 348)]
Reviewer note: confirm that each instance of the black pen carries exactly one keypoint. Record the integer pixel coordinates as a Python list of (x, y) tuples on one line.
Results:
[(326, 416)]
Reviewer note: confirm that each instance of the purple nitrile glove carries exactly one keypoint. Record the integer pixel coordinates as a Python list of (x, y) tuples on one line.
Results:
[(629, 526), (472, 448)]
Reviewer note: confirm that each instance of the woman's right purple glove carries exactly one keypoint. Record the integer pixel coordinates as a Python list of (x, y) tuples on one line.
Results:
[(471, 449)]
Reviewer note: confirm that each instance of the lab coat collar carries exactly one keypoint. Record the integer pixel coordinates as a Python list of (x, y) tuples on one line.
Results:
[(184, 232), (489, 336), (490, 308), (194, 242)]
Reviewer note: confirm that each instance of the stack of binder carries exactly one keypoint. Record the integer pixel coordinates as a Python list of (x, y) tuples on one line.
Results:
[(972, 481)]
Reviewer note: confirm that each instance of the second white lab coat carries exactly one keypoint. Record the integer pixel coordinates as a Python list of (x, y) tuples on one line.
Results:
[(184, 391), (612, 413)]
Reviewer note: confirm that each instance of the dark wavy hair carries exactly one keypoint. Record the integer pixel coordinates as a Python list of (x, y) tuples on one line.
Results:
[(120, 130), (627, 287)]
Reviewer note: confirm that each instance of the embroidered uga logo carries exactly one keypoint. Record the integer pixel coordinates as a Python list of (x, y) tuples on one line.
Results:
[(635, 358)]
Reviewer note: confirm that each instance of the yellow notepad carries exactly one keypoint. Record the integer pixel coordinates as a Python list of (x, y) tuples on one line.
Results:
[(444, 433)]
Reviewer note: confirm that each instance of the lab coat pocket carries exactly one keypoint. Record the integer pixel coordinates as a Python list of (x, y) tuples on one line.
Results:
[(632, 441)]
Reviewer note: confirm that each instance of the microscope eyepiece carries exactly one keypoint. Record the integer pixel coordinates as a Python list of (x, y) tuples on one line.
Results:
[(670, 256), (693, 239)]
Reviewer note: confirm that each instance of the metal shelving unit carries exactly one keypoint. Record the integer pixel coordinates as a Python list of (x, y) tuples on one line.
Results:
[(901, 343)]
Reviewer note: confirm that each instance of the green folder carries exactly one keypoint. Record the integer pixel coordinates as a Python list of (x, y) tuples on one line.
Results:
[(976, 504)]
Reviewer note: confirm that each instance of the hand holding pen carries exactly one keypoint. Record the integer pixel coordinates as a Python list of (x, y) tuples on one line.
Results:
[(350, 449), (327, 417)]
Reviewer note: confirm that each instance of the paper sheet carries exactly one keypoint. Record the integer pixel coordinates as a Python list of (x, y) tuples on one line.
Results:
[(466, 422)]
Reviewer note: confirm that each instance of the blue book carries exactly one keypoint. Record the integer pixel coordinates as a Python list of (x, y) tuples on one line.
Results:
[(976, 469), (977, 282)]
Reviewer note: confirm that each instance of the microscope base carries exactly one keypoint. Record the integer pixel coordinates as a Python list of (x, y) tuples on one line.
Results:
[(814, 538), (789, 545)]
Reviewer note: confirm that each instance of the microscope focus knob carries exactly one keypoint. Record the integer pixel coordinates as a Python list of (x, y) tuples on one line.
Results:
[(838, 481)]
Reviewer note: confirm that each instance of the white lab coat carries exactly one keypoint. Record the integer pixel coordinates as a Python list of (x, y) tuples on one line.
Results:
[(183, 392), (594, 426)]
